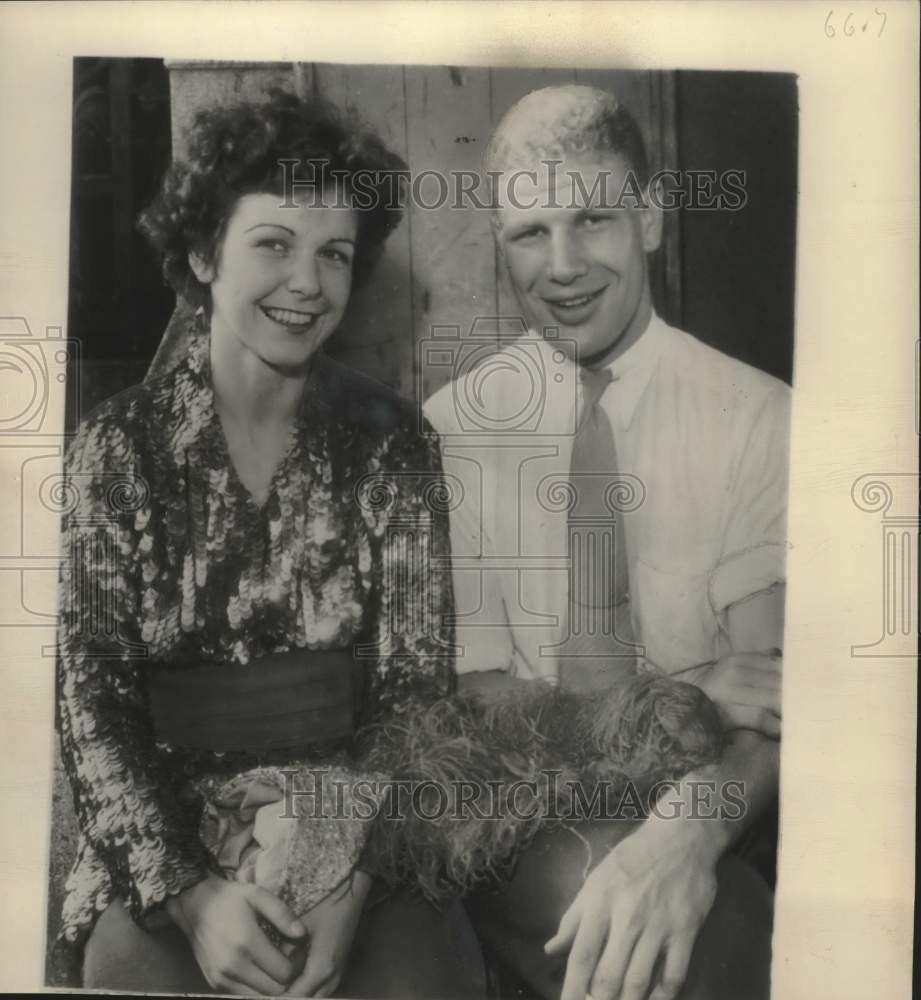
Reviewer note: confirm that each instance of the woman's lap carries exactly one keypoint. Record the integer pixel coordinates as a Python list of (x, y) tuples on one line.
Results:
[(120, 955), (406, 948), (403, 948)]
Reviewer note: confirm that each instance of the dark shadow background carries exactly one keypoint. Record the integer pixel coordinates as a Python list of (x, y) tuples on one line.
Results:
[(118, 304), (738, 268)]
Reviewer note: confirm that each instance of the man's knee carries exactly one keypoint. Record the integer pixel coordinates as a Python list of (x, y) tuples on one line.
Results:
[(733, 951), (732, 954), (548, 876)]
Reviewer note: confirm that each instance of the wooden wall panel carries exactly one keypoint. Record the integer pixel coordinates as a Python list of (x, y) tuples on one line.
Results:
[(196, 85), (376, 334), (453, 255)]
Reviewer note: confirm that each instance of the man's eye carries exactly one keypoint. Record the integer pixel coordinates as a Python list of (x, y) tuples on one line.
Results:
[(527, 235), (595, 221)]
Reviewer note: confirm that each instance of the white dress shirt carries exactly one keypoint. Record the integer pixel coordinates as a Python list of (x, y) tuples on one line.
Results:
[(703, 440)]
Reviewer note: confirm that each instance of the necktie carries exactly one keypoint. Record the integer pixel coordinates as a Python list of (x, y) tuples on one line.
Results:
[(599, 641)]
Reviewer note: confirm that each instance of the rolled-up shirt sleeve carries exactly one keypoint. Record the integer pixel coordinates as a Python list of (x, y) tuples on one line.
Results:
[(753, 553)]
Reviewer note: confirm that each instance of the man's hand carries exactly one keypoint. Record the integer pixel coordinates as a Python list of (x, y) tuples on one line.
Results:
[(219, 919), (644, 902), (331, 925), (745, 687)]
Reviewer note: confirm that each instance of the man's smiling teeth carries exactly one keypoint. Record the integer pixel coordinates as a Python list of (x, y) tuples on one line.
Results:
[(289, 317), (580, 301)]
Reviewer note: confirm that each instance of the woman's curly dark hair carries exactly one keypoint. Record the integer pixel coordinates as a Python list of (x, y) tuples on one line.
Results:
[(237, 150)]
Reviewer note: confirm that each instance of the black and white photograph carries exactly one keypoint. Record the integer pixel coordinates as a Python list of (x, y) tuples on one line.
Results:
[(426, 528), (446, 469)]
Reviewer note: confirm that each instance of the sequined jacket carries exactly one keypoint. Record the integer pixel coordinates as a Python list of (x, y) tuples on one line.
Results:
[(168, 559)]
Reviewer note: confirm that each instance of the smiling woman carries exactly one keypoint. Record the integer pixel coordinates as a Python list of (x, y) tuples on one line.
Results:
[(279, 286), (281, 282), (215, 518)]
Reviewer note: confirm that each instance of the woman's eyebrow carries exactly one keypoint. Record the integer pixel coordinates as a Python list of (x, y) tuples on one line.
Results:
[(342, 239), (269, 225)]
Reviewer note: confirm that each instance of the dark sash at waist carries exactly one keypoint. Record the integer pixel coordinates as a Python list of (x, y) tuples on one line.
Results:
[(292, 700)]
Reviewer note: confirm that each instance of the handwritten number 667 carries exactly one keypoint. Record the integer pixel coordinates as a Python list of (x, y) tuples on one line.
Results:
[(849, 29)]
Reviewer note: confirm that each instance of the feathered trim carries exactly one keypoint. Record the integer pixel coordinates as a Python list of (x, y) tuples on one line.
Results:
[(454, 818)]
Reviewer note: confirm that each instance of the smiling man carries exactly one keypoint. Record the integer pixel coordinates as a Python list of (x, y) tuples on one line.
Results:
[(666, 553)]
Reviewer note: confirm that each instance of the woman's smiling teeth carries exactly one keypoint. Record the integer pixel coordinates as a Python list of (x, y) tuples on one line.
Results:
[(289, 317)]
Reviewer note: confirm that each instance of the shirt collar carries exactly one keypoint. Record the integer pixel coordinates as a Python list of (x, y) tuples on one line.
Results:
[(632, 371)]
